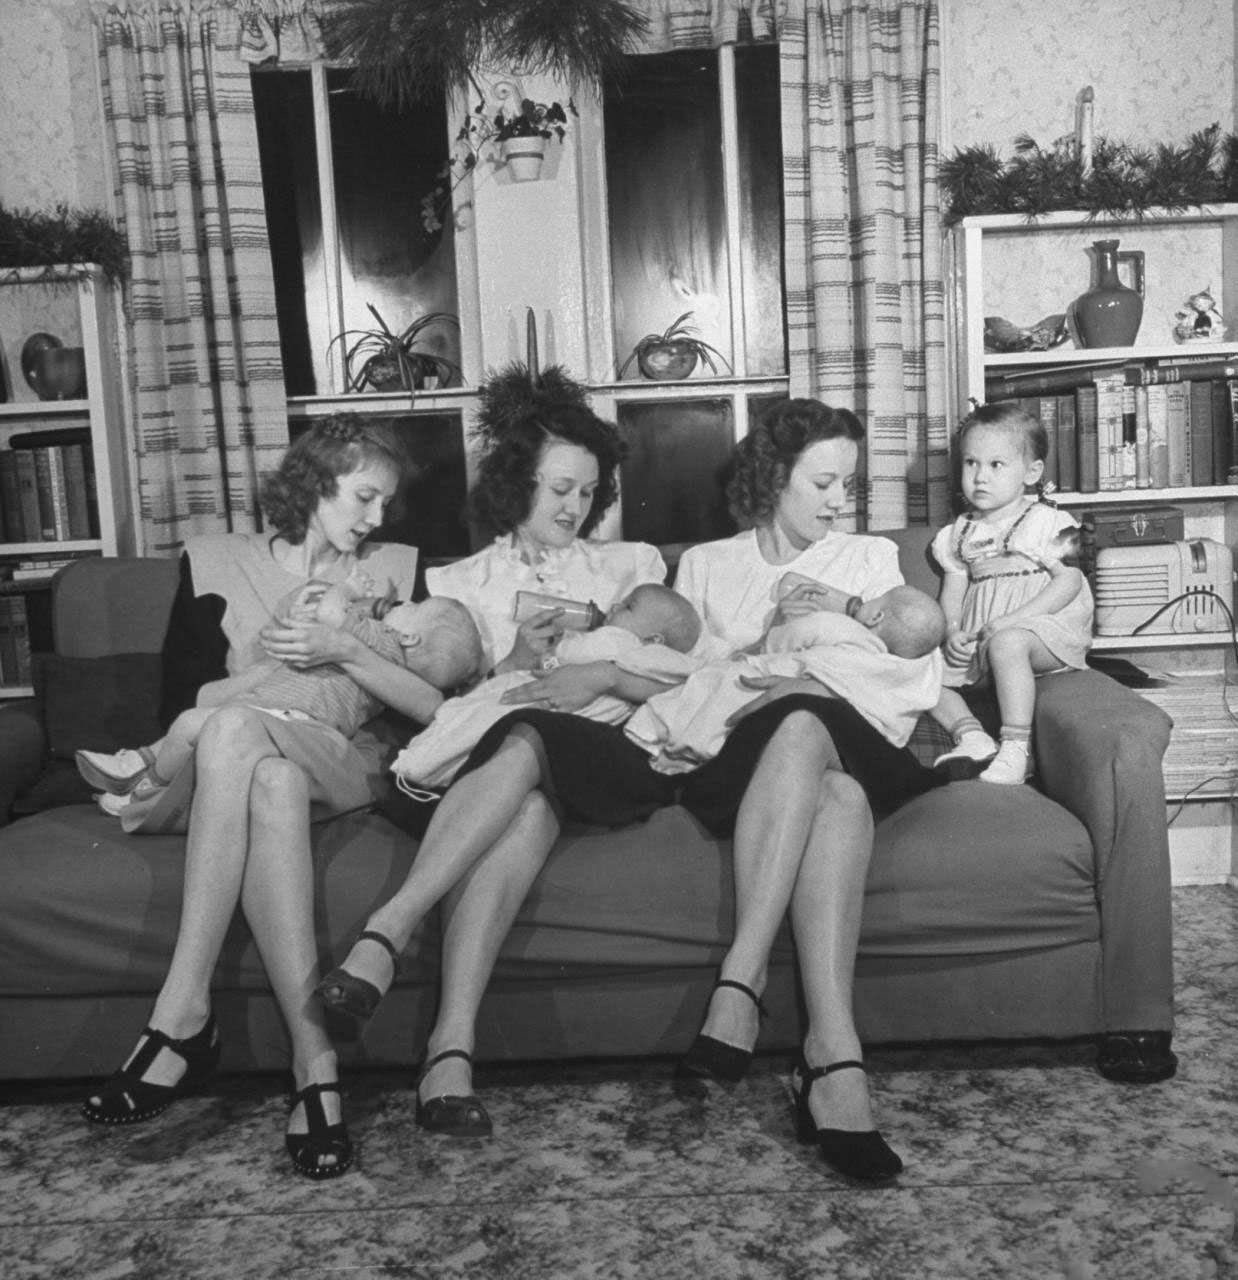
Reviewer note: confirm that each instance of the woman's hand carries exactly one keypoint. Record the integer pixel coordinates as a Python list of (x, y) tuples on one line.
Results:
[(773, 688), (535, 638), (564, 689), (308, 644), (301, 602), (810, 597)]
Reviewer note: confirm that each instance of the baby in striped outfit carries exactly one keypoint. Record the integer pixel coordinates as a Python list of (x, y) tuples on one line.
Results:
[(436, 639)]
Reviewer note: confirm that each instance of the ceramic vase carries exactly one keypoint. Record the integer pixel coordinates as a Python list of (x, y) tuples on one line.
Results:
[(1108, 314), (523, 157), (61, 373)]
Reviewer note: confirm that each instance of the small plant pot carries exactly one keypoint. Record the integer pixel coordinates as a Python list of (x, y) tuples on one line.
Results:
[(666, 361), (523, 157)]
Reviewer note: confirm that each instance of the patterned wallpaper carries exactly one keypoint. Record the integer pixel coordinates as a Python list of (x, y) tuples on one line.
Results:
[(51, 142), (1160, 68)]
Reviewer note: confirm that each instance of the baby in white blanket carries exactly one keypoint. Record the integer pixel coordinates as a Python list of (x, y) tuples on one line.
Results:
[(648, 633), (881, 655)]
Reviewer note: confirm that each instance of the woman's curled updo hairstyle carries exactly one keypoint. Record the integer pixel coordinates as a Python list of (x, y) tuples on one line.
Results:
[(311, 469), (515, 423), (765, 456)]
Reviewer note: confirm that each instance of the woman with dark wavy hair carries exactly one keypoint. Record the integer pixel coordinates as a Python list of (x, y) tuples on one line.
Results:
[(796, 782), (256, 773), (547, 475)]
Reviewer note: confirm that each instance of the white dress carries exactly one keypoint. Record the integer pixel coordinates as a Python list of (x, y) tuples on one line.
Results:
[(1005, 566)]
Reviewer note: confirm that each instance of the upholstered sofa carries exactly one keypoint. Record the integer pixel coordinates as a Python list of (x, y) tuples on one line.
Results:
[(991, 912)]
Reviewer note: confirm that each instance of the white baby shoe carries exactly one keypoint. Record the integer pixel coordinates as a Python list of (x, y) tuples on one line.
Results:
[(976, 745), (115, 772), (1010, 766)]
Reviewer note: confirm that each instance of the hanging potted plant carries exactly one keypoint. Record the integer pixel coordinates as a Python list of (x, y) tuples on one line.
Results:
[(382, 360), (674, 353), (521, 136)]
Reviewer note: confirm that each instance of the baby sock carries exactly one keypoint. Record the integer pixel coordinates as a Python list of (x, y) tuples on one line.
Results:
[(1012, 763), (970, 741)]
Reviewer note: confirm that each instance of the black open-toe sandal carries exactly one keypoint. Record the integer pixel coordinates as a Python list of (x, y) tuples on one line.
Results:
[(322, 1139), (128, 1099), (355, 996), (458, 1116), (861, 1155), (710, 1059)]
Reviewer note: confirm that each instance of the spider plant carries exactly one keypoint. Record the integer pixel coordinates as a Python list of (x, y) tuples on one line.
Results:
[(382, 360), (673, 353)]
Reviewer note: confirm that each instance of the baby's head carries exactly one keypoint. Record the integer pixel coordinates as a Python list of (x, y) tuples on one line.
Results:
[(447, 648), (909, 622), (655, 613)]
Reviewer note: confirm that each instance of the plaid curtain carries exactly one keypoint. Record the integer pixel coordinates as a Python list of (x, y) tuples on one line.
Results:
[(206, 379), (863, 237)]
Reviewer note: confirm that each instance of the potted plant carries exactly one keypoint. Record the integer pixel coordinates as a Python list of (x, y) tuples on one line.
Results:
[(673, 353), (521, 136), (382, 360)]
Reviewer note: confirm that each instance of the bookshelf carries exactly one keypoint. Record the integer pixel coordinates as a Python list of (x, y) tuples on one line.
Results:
[(80, 445), (1004, 265)]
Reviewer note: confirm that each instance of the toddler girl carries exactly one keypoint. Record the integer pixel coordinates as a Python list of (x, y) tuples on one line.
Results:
[(1014, 610)]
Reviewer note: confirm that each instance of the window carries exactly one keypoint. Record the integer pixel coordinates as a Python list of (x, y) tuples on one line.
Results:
[(350, 191), (693, 153)]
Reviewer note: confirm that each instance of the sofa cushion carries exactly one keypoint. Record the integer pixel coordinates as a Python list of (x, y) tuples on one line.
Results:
[(98, 704), (90, 910)]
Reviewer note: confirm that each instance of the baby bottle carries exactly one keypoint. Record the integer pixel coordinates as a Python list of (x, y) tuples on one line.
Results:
[(578, 615)]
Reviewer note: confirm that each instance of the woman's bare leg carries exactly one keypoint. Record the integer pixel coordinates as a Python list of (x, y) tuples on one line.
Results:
[(230, 747), (825, 915), (278, 900), (478, 917), (772, 832), (470, 820)]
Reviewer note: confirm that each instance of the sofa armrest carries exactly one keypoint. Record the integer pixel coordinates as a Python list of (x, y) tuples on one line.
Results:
[(23, 749), (1099, 747)]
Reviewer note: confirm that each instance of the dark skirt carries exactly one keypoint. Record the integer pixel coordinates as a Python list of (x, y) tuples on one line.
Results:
[(599, 776)]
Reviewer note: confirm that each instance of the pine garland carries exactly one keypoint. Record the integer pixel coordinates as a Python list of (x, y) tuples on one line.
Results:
[(65, 236), (1125, 180)]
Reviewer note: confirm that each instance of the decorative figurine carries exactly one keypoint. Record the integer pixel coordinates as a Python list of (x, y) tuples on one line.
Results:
[(1198, 319)]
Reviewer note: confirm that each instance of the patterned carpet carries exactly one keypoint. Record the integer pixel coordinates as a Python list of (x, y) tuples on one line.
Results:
[(1021, 1163)]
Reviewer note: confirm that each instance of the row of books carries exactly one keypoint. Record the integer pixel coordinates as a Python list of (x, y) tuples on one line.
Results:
[(1114, 434), (47, 488), (14, 641)]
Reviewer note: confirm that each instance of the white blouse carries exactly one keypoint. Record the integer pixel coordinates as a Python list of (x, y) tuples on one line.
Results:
[(486, 583), (732, 585)]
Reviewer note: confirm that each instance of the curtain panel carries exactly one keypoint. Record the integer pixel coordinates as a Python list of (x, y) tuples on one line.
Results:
[(862, 225), (863, 237), (206, 378)]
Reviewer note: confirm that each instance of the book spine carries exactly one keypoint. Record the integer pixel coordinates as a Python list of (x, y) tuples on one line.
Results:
[(1143, 445), (1178, 429), (1130, 439), (1231, 476), (1158, 438), (21, 638), (75, 490), (8, 643), (1067, 444), (60, 498), (32, 523), (1191, 371), (1085, 434), (1109, 393), (92, 493), (10, 494), (1222, 430), (1045, 408), (47, 501), (1201, 433)]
